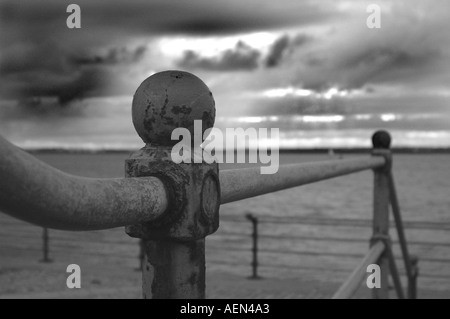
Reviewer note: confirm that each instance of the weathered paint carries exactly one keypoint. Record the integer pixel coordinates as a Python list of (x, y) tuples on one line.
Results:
[(191, 215), (170, 100), (174, 270)]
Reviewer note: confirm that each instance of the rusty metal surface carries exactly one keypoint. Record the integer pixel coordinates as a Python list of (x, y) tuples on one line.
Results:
[(170, 100), (246, 183), (194, 198), (175, 244), (174, 270), (37, 193), (174, 266)]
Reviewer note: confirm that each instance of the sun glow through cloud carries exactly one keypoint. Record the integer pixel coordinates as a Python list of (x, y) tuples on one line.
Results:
[(301, 92), (214, 46), (388, 117), (278, 93)]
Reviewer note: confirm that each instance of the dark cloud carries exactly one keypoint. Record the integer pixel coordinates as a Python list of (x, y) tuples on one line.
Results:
[(276, 51), (83, 83), (167, 17), (205, 17), (282, 46), (48, 70), (42, 57), (384, 65), (389, 57), (367, 65), (113, 56), (40, 106), (242, 57)]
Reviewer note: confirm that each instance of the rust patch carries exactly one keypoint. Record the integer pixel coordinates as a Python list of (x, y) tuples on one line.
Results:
[(177, 110), (207, 120), (177, 75), (193, 280)]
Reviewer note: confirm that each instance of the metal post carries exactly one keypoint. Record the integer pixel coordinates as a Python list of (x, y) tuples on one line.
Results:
[(45, 246), (410, 262), (141, 256), (381, 143), (174, 270), (255, 263), (174, 245), (412, 282), (395, 274)]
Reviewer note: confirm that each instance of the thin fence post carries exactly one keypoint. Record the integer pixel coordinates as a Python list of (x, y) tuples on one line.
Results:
[(381, 201), (412, 282), (409, 261), (174, 246), (255, 263), (45, 246), (141, 255), (395, 274)]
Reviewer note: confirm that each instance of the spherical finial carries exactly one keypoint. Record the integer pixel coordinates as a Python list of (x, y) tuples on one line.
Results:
[(381, 139), (170, 100)]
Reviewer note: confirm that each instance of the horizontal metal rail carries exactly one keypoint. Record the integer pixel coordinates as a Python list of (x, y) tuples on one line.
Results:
[(37, 193), (349, 288), (239, 184)]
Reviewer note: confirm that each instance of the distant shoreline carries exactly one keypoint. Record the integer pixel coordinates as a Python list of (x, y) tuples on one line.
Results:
[(282, 151)]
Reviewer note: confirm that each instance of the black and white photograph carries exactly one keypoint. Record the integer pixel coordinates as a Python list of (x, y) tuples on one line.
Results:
[(225, 154)]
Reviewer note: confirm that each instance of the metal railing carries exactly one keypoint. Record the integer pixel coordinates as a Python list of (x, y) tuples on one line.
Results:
[(172, 207)]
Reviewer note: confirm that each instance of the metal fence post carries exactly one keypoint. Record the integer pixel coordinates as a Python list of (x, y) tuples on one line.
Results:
[(174, 266), (381, 143), (45, 246), (255, 263), (141, 255), (412, 282)]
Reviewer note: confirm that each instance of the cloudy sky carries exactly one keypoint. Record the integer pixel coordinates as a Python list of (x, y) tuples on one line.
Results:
[(311, 68)]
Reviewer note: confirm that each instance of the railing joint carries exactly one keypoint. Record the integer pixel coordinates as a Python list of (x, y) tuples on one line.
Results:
[(386, 239), (387, 155)]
